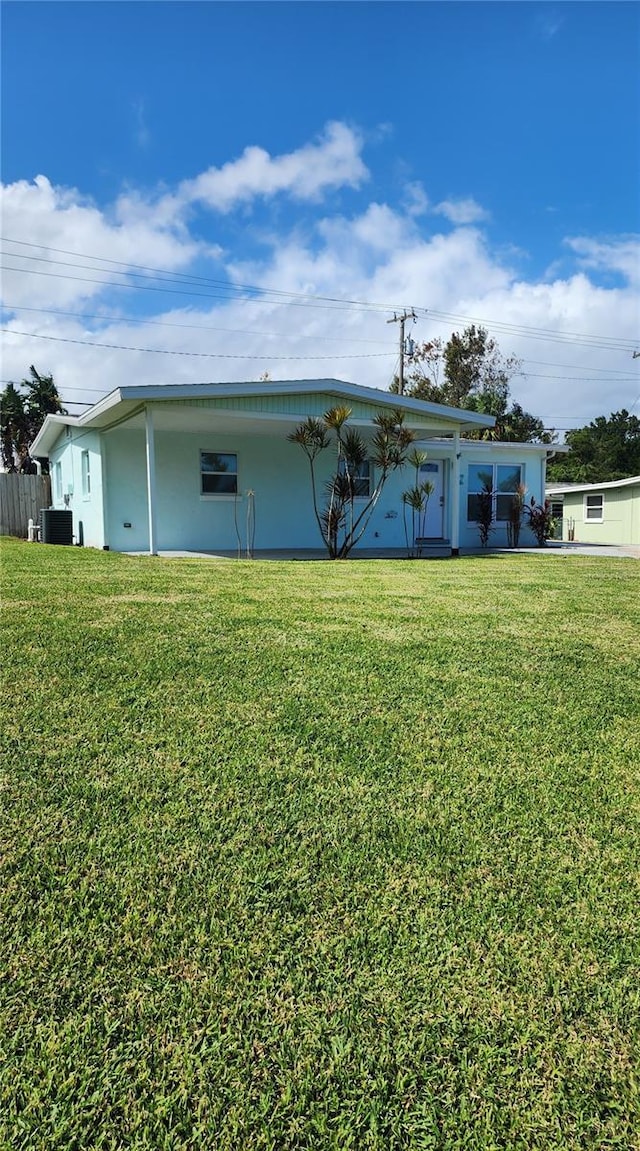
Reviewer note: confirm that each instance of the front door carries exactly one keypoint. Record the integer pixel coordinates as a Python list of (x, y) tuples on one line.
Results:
[(432, 470)]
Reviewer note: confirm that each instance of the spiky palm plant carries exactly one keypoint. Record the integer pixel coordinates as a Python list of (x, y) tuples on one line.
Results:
[(417, 499), (342, 522)]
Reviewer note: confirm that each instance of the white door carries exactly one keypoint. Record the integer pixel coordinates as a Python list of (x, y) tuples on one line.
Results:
[(432, 470)]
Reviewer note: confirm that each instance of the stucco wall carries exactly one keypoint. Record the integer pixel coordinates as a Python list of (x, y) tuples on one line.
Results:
[(278, 473), (87, 509)]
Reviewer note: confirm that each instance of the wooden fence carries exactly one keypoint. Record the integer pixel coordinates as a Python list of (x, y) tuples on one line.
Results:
[(21, 498)]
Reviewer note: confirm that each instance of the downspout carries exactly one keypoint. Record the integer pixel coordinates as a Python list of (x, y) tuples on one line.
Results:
[(455, 496), (151, 478)]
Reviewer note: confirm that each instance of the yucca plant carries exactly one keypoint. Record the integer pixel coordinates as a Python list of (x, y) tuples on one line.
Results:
[(416, 499), (514, 522), (341, 521)]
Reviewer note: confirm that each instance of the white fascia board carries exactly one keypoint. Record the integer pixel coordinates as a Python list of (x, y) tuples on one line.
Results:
[(567, 489), (49, 433)]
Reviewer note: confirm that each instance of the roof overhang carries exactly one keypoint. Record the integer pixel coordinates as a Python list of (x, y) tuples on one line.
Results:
[(126, 403), (568, 489)]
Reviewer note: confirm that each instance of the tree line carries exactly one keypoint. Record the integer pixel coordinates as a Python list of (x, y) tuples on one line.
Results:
[(469, 371)]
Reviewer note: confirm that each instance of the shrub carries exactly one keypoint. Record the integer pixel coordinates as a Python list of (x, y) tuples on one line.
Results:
[(540, 520)]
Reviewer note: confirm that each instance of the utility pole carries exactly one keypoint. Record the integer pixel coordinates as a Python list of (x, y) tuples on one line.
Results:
[(401, 320)]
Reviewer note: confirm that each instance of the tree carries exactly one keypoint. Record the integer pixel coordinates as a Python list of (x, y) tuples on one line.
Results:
[(606, 449), (470, 371), (342, 522), (14, 432), (22, 414)]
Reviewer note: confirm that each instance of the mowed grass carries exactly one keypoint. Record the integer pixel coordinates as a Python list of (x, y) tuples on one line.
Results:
[(319, 855)]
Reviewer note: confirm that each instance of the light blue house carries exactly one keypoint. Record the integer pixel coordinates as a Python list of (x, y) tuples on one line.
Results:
[(203, 467)]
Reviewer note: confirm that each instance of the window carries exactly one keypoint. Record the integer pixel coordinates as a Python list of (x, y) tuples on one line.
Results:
[(504, 480), (594, 507), (361, 477), (86, 474), (218, 473), (57, 482)]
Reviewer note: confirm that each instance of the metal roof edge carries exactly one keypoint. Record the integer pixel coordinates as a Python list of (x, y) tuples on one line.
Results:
[(154, 392), (567, 489)]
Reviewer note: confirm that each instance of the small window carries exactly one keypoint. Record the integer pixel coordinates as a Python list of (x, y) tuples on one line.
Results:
[(218, 473), (57, 482), (86, 474), (361, 477), (594, 507)]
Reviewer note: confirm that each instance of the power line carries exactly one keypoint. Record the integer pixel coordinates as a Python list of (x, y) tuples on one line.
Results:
[(182, 277), (347, 307), (193, 327), (618, 375), (199, 355), (608, 343), (302, 299), (580, 367)]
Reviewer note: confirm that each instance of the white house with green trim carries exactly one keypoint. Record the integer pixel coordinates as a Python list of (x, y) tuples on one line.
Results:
[(600, 513), (198, 467)]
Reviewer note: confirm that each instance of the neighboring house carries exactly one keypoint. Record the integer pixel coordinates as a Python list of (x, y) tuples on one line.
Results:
[(600, 513), (181, 467)]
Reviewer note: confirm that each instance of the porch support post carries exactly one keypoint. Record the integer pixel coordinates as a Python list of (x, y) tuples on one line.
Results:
[(151, 478), (455, 496)]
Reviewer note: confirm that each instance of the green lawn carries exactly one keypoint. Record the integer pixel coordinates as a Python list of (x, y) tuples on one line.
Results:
[(314, 855)]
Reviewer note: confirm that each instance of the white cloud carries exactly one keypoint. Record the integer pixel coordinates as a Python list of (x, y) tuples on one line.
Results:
[(416, 201), (619, 254), (54, 217), (333, 162), (466, 211), (384, 255)]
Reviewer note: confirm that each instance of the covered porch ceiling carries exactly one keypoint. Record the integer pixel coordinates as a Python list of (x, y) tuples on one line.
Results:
[(168, 417)]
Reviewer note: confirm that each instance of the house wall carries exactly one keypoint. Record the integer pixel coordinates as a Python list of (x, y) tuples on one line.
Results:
[(278, 474), (532, 466), (87, 509), (621, 516)]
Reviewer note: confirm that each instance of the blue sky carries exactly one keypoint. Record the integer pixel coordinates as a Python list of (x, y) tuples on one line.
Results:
[(472, 160)]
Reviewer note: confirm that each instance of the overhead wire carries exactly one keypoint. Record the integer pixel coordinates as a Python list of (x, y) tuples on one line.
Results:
[(297, 299), (199, 355), (165, 274), (193, 327)]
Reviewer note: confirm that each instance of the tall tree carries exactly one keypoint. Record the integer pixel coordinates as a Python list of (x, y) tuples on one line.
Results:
[(471, 372), (23, 413), (606, 449), (14, 430)]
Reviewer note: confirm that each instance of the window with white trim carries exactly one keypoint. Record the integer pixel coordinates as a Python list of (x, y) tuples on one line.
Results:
[(57, 481), (85, 467), (218, 473), (361, 476), (504, 480), (594, 507)]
